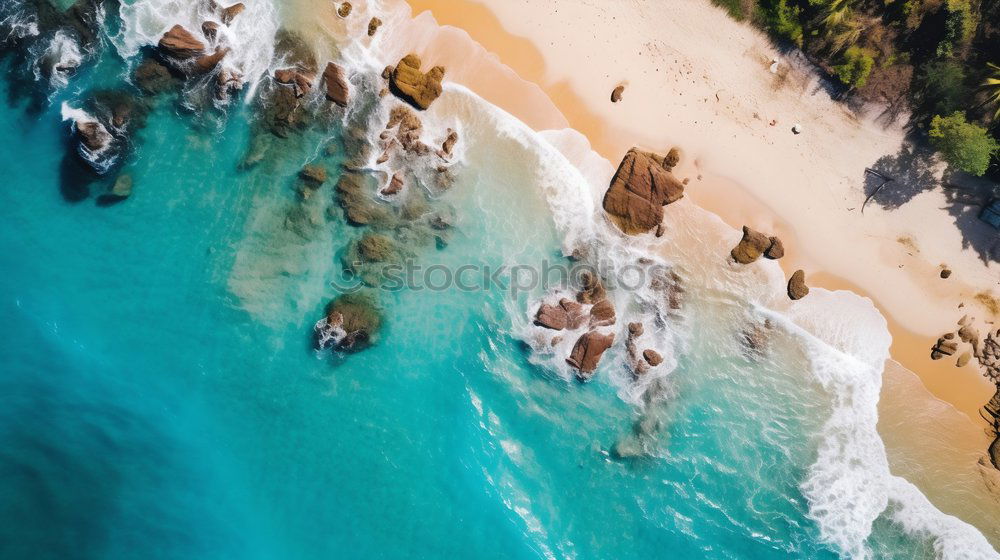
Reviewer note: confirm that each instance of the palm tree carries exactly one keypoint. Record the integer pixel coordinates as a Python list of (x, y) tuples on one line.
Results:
[(992, 87)]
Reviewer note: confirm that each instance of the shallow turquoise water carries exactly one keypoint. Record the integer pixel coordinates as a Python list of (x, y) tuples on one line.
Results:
[(160, 397)]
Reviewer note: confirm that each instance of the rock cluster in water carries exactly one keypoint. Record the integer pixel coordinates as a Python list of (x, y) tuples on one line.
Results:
[(754, 244)]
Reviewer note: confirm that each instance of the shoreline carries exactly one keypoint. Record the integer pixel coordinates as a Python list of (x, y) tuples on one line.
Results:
[(738, 204), (831, 168)]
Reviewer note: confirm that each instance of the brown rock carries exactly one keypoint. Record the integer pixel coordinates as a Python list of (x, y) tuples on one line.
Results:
[(313, 175), (671, 160), (775, 250), (639, 190), (210, 30), (652, 357), (206, 63), (413, 86), (751, 247), (227, 82), (574, 313), (602, 314), (449, 144), (593, 291), (387, 72), (336, 85), (373, 26), (635, 329), (152, 77), (358, 316), (945, 273), (395, 185), (180, 43), (231, 12), (943, 348), (93, 135), (616, 94), (300, 81), (797, 288), (344, 9), (587, 353), (551, 317)]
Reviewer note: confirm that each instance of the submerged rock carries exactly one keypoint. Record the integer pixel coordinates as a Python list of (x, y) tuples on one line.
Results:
[(335, 84), (639, 189), (751, 247), (313, 174), (359, 208), (797, 288), (413, 86), (351, 324), (587, 353), (179, 43), (210, 30)]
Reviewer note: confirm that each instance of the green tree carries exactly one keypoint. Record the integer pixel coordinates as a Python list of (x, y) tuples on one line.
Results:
[(941, 88), (781, 18), (855, 67), (992, 87), (964, 145)]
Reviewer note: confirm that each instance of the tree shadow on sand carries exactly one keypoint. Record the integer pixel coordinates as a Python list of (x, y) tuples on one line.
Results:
[(902, 176)]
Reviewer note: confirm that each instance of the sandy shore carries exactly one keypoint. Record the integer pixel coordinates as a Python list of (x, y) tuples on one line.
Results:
[(698, 80)]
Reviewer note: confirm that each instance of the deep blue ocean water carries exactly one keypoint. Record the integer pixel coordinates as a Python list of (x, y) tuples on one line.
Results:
[(160, 396)]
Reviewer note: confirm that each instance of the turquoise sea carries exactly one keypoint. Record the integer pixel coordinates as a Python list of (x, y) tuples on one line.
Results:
[(161, 396)]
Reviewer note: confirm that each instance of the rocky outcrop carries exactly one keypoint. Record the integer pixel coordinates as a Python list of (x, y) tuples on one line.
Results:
[(179, 43), (797, 288), (551, 317), (587, 353), (417, 88), (359, 208), (335, 84), (210, 30), (775, 250), (300, 80), (206, 63), (313, 174), (373, 25), (395, 185), (602, 314), (448, 145), (652, 357), (153, 78), (751, 246), (592, 290), (640, 188), (616, 94), (228, 14), (93, 135), (351, 323)]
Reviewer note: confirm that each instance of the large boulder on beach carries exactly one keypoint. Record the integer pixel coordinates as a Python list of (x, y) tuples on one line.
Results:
[(180, 43), (616, 94), (373, 25), (587, 353), (797, 288), (335, 84), (751, 246), (642, 185), (413, 86)]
